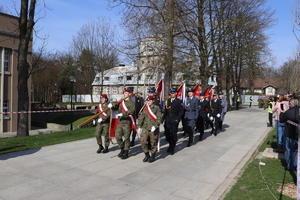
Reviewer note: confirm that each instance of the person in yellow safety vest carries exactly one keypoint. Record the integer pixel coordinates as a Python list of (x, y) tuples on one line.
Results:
[(270, 106), (237, 102), (250, 102)]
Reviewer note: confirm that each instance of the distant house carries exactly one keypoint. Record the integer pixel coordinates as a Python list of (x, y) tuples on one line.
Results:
[(9, 38), (267, 86)]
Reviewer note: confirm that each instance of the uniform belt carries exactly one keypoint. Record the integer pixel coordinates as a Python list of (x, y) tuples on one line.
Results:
[(190, 110)]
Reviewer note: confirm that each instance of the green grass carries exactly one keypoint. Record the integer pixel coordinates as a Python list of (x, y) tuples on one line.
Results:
[(14, 144), (256, 179)]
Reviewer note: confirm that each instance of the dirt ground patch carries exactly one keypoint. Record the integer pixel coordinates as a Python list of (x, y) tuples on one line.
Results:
[(289, 189)]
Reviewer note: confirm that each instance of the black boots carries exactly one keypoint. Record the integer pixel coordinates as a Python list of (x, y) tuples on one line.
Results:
[(121, 153), (125, 154), (201, 136), (147, 156), (152, 158), (100, 149), (105, 150)]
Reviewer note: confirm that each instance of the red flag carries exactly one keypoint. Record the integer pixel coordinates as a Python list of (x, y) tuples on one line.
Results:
[(197, 90), (113, 123), (208, 92), (160, 89), (181, 91)]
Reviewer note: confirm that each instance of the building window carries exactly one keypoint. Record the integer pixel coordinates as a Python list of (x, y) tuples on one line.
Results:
[(114, 90), (96, 89), (120, 78), (6, 60), (97, 79), (106, 78), (270, 90), (107, 90), (5, 108), (142, 62), (128, 78)]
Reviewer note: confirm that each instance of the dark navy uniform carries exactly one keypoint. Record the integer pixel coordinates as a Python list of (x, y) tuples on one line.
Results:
[(215, 109), (202, 116), (172, 115)]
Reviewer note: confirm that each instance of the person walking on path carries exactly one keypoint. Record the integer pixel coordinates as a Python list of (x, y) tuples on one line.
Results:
[(280, 106), (224, 109), (103, 123), (250, 102), (172, 116), (215, 109), (202, 115), (270, 106), (126, 112), (191, 106), (291, 133), (238, 99), (148, 127)]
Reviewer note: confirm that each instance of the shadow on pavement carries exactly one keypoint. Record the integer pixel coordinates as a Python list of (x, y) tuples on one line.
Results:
[(18, 153)]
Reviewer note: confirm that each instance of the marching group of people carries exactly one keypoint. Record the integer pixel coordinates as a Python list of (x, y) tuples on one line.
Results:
[(196, 114)]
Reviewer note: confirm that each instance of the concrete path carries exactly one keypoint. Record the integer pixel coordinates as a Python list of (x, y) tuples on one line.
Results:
[(74, 171)]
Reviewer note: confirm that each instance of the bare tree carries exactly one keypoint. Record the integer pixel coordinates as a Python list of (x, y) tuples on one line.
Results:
[(97, 38), (26, 23)]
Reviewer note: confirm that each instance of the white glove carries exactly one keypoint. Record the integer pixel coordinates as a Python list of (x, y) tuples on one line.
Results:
[(99, 120), (109, 105), (94, 122), (153, 129), (207, 114), (211, 118), (119, 115), (218, 115)]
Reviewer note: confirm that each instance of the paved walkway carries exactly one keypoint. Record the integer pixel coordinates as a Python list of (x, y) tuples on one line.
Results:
[(74, 171)]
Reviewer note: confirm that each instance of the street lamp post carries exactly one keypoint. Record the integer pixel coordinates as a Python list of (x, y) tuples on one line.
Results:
[(72, 80)]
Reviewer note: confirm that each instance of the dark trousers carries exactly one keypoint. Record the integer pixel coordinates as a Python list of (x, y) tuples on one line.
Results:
[(200, 125), (271, 119), (171, 128), (189, 126)]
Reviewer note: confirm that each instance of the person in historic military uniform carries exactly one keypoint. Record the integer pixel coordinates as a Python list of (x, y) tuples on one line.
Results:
[(138, 102), (202, 115), (224, 109), (172, 115), (148, 127), (125, 117), (215, 109), (191, 106), (103, 123)]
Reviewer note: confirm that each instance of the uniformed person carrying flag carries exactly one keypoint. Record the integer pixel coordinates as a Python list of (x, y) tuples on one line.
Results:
[(148, 128)]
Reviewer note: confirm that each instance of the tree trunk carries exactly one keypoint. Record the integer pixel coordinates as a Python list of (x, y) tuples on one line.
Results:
[(26, 23)]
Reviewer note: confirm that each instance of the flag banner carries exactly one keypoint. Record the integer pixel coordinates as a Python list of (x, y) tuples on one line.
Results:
[(181, 92), (133, 120), (160, 89), (113, 123), (101, 110), (208, 92), (197, 90)]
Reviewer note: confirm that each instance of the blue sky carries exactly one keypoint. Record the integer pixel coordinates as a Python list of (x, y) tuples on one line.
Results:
[(65, 17)]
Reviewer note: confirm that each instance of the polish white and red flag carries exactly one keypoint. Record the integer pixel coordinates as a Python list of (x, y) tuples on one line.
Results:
[(113, 123), (181, 91), (160, 89), (208, 93), (197, 90)]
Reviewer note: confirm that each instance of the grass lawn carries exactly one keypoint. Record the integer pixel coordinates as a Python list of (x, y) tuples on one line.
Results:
[(8, 145), (262, 181)]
